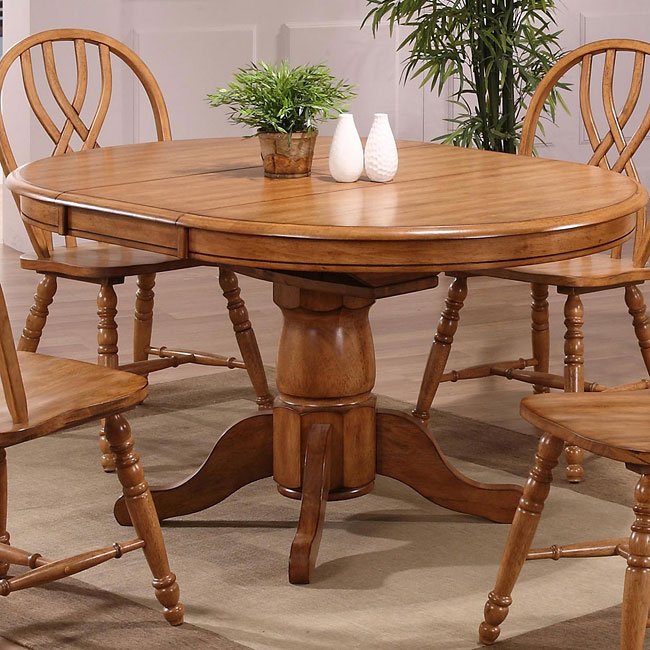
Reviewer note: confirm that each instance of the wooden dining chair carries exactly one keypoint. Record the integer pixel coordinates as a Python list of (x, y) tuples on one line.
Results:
[(613, 149), (44, 395), (108, 264), (610, 424)]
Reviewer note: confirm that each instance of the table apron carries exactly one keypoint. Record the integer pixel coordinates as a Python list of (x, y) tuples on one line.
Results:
[(351, 256), (343, 255)]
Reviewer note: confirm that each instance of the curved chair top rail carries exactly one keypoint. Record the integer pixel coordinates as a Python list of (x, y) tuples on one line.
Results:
[(616, 121), (71, 108), (614, 139)]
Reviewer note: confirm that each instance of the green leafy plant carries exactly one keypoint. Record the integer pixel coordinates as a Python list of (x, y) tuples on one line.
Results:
[(282, 99), (497, 51)]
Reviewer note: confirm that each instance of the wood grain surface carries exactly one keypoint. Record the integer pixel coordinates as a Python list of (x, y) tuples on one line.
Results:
[(611, 424), (447, 208)]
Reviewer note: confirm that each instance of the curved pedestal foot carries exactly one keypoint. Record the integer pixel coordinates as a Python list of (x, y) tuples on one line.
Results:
[(406, 452), (316, 482), (242, 455)]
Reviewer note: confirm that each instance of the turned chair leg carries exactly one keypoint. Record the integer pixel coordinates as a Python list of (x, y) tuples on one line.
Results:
[(37, 317), (636, 595), (540, 330), (574, 380), (441, 347), (106, 354), (520, 537), (107, 327), (4, 535), (143, 515), (245, 335), (637, 309), (143, 316)]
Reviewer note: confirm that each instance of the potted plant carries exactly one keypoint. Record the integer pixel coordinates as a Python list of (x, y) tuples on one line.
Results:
[(497, 51), (284, 104)]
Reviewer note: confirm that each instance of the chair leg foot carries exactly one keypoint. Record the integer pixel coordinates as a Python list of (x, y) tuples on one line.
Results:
[(496, 611), (143, 515), (575, 471), (574, 378), (520, 537)]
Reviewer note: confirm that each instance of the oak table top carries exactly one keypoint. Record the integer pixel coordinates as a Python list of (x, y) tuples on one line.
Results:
[(447, 209)]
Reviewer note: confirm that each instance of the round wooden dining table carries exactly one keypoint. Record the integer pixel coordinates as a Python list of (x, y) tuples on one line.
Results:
[(330, 249)]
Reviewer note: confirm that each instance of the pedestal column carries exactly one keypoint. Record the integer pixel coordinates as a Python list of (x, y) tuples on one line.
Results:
[(325, 374)]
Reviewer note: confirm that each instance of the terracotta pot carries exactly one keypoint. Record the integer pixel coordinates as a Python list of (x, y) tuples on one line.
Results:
[(285, 157)]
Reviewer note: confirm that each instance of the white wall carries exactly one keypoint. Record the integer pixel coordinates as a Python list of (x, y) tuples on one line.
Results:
[(193, 46)]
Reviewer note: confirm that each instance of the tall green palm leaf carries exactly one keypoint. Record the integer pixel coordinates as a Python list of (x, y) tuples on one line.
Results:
[(496, 51)]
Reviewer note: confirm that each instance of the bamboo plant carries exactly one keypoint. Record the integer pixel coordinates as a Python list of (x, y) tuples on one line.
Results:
[(496, 51)]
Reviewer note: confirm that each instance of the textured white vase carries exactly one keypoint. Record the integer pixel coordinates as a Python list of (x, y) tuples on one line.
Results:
[(346, 151), (381, 151)]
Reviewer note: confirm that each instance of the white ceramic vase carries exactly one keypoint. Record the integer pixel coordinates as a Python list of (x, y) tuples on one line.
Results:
[(381, 151), (346, 151)]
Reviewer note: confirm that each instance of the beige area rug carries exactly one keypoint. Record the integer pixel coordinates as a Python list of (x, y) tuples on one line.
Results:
[(395, 571)]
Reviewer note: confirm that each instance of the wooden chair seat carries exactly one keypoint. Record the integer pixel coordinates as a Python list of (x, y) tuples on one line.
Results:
[(615, 425), (62, 391), (93, 261), (583, 272)]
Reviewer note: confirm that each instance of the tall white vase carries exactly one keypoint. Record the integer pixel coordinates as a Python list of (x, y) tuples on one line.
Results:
[(346, 151), (381, 151)]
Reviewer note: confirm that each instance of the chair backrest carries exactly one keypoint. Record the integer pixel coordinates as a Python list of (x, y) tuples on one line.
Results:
[(12, 382), (71, 108), (612, 149)]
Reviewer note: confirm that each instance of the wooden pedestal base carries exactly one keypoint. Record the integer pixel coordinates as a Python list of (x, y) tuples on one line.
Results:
[(325, 439), (405, 451)]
